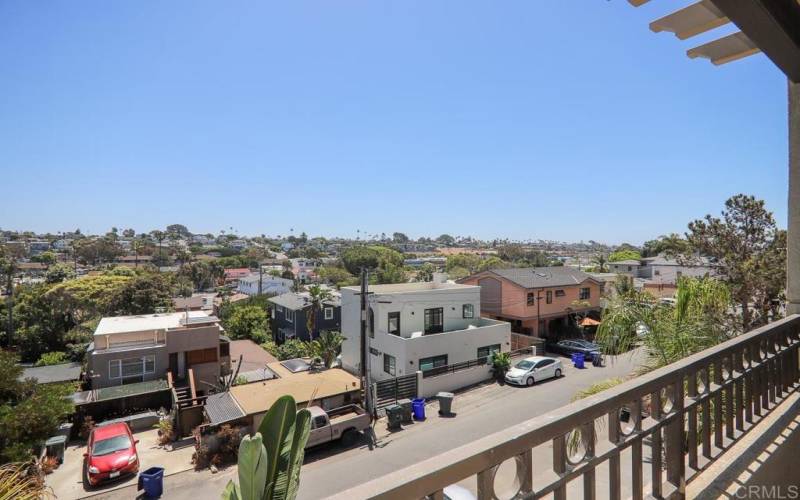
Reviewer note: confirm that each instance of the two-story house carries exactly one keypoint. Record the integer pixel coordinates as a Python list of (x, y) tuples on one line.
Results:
[(289, 316), (538, 301), (130, 349), (265, 284), (418, 326)]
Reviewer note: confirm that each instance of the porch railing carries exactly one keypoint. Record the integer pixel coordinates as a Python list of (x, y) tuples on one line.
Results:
[(683, 415)]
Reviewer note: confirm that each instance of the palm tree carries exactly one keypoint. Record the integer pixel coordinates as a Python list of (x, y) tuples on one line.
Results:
[(601, 260), (698, 320), (327, 346), (317, 296)]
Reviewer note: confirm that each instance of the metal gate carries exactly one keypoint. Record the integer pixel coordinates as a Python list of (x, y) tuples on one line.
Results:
[(388, 392)]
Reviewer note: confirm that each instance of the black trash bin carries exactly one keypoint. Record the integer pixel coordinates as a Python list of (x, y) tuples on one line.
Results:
[(405, 404), (152, 482), (445, 402), (394, 417)]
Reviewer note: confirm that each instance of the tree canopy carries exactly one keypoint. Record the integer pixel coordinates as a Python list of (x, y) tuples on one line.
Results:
[(29, 412), (749, 252), (625, 254)]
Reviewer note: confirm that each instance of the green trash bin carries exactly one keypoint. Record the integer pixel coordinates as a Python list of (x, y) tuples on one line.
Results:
[(406, 405), (55, 447), (394, 417)]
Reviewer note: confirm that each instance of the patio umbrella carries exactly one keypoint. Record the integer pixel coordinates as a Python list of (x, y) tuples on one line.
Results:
[(587, 321)]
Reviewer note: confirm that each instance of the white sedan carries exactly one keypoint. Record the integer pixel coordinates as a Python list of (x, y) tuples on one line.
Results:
[(534, 369)]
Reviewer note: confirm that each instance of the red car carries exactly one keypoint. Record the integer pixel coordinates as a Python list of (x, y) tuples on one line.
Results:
[(110, 453)]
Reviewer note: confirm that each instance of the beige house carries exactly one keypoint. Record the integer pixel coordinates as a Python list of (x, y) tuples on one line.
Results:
[(130, 349)]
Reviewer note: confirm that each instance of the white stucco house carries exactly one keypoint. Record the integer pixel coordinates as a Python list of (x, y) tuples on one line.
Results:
[(271, 285), (419, 326)]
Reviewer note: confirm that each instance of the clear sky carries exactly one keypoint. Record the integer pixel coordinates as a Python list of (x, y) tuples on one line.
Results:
[(549, 119)]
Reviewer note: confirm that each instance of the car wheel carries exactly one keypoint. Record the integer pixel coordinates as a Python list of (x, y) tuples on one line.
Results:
[(558, 372), (87, 486), (529, 381), (349, 438)]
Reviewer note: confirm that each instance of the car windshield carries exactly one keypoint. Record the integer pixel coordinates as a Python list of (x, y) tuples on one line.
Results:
[(524, 364), (111, 445), (586, 343)]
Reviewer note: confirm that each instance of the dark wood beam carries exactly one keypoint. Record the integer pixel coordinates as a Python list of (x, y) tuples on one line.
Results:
[(773, 25)]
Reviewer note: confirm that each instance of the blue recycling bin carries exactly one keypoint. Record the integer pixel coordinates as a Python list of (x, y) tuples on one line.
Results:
[(418, 407), (578, 359), (152, 482)]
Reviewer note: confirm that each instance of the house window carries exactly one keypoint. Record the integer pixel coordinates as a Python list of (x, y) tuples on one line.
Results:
[(328, 313), (224, 349), (559, 293), (389, 364), (486, 351), (131, 367), (394, 323), (289, 316), (432, 362), (549, 297), (434, 320), (530, 298), (585, 294), (272, 313), (468, 311), (657, 272), (371, 323)]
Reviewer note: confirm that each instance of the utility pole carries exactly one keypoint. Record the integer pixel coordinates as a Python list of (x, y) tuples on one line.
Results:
[(365, 379), (260, 277)]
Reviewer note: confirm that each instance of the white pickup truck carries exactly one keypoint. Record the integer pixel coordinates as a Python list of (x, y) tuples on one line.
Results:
[(345, 423)]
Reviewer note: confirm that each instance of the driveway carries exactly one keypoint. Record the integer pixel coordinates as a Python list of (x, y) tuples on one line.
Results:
[(479, 411), (66, 480)]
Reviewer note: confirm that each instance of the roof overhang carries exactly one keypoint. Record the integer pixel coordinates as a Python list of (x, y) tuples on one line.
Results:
[(768, 26)]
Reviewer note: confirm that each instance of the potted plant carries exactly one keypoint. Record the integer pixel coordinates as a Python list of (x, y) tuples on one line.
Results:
[(501, 363)]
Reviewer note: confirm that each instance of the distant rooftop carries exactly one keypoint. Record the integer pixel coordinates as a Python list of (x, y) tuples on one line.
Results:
[(145, 322), (420, 286), (629, 262), (540, 277)]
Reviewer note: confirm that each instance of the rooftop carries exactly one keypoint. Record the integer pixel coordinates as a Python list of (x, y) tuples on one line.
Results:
[(64, 372), (146, 322), (295, 301), (260, 396), (421, 286), (543, 277)]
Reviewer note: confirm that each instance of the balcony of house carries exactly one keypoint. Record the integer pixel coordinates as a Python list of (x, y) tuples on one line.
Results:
[(474, 327), (718, 423), (128, 340)]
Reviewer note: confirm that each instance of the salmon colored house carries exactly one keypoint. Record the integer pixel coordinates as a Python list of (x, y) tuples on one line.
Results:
[(538, 301)]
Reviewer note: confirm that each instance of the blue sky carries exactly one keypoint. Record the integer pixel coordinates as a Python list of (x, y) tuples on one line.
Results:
[(547, 119)]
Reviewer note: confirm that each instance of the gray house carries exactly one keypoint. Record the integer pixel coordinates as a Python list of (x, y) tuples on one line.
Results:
[(289, 314), (130, 349)]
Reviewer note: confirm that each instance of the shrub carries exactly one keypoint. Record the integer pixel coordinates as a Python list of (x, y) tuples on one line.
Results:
[(52, 358), (165, 433), (201, 458), (86, 427)]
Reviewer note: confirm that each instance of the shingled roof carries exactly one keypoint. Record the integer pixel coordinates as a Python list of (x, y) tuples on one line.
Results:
[(541, 277)]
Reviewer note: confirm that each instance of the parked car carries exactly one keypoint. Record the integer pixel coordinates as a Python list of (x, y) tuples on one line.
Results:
[(110, 454), (345, 423), (571, 346), (534, 369)]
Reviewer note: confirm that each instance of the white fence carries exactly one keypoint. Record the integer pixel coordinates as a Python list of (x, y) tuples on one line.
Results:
[(453, 381)]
